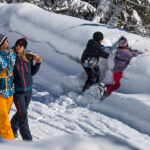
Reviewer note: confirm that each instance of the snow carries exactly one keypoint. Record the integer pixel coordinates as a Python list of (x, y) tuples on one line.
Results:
[(62, 118), (136, 16), (80, 7), (103, 4)]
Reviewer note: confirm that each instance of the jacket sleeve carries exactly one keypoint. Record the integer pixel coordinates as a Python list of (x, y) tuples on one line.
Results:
[(100, 52), (103, 54), (1, 65), (136, 53), (34, 68)]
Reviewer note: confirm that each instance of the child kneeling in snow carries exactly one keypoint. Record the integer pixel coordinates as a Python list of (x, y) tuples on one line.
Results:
[(121, 61), (23, 72)]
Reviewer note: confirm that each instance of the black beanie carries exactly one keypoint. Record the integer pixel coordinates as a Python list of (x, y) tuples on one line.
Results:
[(98, 36), (22, 41)]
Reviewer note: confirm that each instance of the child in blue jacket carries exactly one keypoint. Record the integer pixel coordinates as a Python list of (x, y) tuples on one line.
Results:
[(23, 72)]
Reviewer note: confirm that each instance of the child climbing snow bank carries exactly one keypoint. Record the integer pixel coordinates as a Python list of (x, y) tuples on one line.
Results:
[(123, 56), (90, 58)]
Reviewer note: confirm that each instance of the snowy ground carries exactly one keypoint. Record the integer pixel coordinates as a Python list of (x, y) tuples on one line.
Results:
[(62, 118)]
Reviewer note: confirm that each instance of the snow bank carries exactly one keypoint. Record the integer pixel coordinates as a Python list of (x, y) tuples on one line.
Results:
[(54, 35)]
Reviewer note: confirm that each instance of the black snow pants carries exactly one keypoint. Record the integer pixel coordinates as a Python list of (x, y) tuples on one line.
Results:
[(93, 75), (20, 118)]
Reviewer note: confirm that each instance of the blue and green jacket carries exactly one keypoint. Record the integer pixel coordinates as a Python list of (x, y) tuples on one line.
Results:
[(23, 72), (7, 62)]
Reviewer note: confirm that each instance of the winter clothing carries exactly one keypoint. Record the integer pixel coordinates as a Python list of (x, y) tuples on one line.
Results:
[(117, 77), (98, 36), (89, 60), (93, 50), (23, 72), (122, 59), (3, 38), (5, 126), (20, 119), (22, 41), (122, 43), (103, 91), (7, 61), (93, 76)]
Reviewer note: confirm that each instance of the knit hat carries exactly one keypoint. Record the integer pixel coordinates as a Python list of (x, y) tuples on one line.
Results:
[(3, 38), (98, 36), (123, 42), (22, 41)]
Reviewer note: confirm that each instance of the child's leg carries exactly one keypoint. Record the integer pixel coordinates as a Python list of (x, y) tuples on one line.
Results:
[(5, 126), (96, 73), (112, 87), (90, 78)]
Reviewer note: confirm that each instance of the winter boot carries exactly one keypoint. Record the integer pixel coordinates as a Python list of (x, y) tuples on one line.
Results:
[(103, 91), (16, 135)]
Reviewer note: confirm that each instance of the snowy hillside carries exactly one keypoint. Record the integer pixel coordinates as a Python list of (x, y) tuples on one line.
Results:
[(60, 117)]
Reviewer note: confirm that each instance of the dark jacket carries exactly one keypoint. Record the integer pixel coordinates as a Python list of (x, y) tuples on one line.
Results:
[(93, 49), (23, 72), (123, 57)]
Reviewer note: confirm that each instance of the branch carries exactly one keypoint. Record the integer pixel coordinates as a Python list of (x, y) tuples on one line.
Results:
[(134, 3), (62, 10)]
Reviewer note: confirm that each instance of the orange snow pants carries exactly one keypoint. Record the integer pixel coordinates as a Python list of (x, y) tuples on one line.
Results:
[(5, 125)]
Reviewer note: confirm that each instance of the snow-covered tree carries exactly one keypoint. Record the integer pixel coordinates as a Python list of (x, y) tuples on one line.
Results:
[(103, 11), (81, 9), (135, 16)]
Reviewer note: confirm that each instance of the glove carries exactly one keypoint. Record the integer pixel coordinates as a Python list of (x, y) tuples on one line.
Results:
[(103, 47)]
